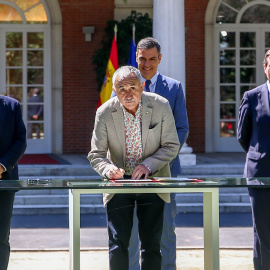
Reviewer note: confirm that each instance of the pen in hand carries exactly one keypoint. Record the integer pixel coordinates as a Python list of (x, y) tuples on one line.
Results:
[(115, 172)]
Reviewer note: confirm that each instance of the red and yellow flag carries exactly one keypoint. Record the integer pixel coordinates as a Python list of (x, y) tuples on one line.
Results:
[(112, 66)]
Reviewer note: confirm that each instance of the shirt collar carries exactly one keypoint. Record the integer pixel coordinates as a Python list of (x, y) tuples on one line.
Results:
[(138, 112), (153, 79), (268, 86)]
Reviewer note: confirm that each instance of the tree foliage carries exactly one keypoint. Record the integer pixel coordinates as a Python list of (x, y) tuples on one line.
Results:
[(143, 24)]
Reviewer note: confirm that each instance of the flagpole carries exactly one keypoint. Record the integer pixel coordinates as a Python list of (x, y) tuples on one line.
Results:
[(115, 32), (133, 31)]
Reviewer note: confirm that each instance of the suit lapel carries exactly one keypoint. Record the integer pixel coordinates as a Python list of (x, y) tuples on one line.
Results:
[(264, 98), (118, 120), (146, 118), (160, 85)]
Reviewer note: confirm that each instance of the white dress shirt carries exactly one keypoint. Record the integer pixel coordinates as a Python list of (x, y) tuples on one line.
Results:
[(153, 80)]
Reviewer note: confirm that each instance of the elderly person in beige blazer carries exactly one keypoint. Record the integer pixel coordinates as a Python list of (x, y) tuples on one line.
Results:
[(134, 137)]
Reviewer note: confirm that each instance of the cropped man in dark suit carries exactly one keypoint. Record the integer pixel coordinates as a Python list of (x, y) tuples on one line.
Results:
[(12, 147), (254, 136)]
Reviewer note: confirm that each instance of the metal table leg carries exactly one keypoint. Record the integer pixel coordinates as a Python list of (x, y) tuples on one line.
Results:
[(74, 229), (211, 229)]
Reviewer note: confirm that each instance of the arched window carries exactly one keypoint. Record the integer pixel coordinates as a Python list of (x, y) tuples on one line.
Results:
[(242, 36), (256, 14), (25, 66), (22, 11)]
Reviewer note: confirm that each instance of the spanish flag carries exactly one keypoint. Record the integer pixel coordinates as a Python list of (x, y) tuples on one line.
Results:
[(112, 66)]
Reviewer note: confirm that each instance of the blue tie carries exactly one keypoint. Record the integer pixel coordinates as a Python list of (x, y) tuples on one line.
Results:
[(146, 87)]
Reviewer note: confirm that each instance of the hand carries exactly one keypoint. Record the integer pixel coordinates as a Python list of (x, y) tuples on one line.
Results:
[(35, 117), (1, 171), (115, 173), (139, 171)]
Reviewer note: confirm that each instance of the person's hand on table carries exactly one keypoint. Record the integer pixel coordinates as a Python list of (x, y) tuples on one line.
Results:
[(139, 171), (115, 173)]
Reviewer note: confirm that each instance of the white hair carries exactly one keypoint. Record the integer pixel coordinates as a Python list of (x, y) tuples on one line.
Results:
[(124, 71)]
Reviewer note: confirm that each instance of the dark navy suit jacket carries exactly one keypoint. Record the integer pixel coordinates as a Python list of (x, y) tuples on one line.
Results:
[(12, 136), (254, 131), (172, 90)]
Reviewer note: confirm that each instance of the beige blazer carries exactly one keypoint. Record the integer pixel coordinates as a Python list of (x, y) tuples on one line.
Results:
[(159, 138)]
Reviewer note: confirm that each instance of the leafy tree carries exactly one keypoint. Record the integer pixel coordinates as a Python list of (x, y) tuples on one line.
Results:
[(143, 24)]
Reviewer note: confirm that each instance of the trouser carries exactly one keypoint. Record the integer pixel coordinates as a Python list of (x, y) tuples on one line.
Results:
[(6, 206), (120, 211), (168, 239), (260, 204)]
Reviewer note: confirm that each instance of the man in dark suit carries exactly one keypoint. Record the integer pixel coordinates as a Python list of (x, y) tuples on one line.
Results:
[(12, 147), (148, 57), (254, 136)]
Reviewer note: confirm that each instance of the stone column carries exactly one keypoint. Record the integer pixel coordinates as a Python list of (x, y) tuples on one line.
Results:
[(169, 30)]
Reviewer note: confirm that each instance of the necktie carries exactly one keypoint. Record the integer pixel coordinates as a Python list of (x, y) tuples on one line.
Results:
[(146, 87)]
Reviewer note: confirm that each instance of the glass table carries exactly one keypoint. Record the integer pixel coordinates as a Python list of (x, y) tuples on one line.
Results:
[(208, 186)]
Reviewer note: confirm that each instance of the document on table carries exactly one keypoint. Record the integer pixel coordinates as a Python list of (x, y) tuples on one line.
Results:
[(156, 180)]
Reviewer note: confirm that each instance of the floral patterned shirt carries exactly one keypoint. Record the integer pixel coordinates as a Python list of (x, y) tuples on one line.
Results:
[(133, 136)]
